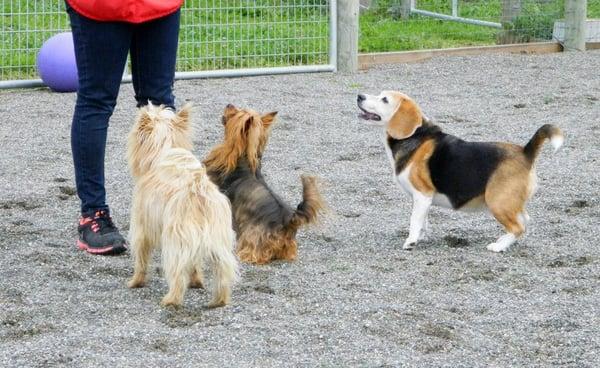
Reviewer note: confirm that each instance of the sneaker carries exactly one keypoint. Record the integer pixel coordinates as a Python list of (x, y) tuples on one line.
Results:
[(98, 235)]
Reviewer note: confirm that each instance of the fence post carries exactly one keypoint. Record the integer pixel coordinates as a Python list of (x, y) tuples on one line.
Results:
[(347, 42), (575, 28), (510, 10), (405, 8)]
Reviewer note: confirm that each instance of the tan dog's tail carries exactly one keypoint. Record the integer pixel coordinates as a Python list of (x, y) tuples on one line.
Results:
[(200, 181), (311, 205), (546, 131), (221, 237)]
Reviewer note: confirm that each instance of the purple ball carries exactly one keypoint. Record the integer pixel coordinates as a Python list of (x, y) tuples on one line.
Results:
[(56, 63)]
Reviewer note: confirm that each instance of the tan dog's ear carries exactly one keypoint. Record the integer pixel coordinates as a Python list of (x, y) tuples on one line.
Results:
[(268, 119), (144, 119), (184, 113), (183, 116), (406, 120)]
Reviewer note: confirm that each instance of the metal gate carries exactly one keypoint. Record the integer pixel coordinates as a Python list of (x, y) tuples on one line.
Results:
[(218, 38)]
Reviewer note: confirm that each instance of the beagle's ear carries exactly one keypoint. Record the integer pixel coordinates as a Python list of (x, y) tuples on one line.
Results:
[(268, 119), (406, 120)]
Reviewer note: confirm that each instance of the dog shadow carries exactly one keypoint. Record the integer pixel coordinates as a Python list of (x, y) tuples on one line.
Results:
[(453, 240)]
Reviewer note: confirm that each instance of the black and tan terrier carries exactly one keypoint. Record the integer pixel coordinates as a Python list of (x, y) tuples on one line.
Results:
[(266, 226)]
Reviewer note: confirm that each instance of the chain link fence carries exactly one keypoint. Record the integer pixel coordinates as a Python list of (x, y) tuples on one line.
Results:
[(243, 37), (215, 35), (398, 25)]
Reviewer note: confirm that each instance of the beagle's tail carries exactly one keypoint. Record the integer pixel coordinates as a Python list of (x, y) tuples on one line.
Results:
[(546, 131), (311, 205)]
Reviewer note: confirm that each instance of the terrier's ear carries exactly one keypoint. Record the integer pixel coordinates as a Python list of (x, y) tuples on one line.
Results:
[(228, 113), (268, 119), (406, 120), (248, 123), (252, 136), (230, 110)]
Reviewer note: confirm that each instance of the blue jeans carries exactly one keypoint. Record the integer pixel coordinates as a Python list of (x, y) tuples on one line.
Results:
[(101, 50)]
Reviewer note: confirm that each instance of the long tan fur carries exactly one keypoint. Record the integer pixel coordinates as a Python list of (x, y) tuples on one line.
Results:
[(265, 226), (177, 208)]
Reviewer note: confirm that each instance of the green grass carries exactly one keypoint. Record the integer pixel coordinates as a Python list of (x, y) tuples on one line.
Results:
[(271, 33), (388, 34), (383, 30), (282, 32)]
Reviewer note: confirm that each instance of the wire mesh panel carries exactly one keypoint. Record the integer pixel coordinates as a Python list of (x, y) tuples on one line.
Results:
[(24, 26), (385, 25), (221, 34), (214, 35)]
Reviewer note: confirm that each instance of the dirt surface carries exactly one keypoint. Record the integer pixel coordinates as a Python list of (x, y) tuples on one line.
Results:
[(353, 297)]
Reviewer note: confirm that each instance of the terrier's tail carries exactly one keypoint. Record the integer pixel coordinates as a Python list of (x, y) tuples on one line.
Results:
[(311, 205)]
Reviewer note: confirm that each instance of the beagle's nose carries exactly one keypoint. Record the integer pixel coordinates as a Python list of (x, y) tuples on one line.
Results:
[(361, 98)]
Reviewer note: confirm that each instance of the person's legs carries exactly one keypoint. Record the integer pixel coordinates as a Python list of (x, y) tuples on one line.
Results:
[(153, 57), (101, 50)]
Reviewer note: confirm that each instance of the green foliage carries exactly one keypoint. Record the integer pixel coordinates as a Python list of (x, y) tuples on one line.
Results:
[(382, 30), (261, 33), (536, 21)]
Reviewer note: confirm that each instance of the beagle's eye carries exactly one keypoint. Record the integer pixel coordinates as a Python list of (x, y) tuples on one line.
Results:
[(385, 100)]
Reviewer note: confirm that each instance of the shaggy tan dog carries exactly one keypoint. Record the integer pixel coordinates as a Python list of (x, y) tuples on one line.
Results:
[(177, 207)]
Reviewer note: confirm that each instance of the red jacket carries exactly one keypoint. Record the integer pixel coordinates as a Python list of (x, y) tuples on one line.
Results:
[(132, 11)]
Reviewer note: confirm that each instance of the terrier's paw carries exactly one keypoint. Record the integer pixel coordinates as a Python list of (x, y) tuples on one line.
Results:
[(497, 247)]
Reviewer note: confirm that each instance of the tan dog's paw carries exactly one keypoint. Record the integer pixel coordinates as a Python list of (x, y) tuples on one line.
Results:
[(136, 282), (221, 299), (217, 304), (169, 301)]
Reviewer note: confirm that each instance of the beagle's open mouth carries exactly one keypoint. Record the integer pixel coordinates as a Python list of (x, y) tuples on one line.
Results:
[(366, 115)]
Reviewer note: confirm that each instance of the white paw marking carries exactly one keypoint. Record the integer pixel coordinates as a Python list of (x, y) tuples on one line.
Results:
[(495, 247), (408, 244)]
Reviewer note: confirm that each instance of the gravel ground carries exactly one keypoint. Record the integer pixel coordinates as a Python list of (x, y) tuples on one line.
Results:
[(353, 297)]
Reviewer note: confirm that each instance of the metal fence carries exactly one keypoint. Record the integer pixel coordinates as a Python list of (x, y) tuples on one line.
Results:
[(398, 25), (217, 37)]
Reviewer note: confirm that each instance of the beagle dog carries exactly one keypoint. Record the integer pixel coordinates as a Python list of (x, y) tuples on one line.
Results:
[(439, 169)]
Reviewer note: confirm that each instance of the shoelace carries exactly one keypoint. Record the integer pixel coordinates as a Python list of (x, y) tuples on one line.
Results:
[(101, 221)]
